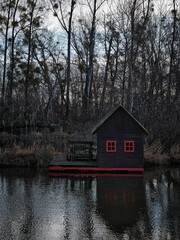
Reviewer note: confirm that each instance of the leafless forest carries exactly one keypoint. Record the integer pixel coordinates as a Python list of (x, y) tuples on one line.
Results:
[(67, 63)]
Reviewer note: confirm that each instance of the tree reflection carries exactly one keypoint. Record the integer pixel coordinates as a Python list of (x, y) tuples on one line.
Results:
[(163, 197)]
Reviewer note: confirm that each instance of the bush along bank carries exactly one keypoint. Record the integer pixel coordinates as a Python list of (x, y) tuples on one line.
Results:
[(26, 159), (154, 156)]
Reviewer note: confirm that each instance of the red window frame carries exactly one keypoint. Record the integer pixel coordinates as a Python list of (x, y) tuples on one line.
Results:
[(110, 146), (129, 146)]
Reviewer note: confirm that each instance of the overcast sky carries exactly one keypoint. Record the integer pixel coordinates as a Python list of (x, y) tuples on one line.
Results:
[(159, 6)]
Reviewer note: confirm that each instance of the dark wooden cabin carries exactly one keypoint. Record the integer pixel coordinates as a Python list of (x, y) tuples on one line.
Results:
[(120, 140)]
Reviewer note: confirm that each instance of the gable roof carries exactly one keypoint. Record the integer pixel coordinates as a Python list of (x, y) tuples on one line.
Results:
[(103, 120)]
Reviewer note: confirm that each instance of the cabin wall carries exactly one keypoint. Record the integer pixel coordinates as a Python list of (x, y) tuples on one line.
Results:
[(120, 158), (120, 127)]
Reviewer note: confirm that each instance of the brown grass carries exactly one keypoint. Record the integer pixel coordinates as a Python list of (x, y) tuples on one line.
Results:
[(26, 157), (154, 154)]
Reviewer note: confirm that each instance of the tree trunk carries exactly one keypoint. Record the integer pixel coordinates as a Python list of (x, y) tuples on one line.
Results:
[(89, 75), (131, 61), (108, 54), (172, 55), (12, 61), (68, 78), (5, 54), (29, 54)]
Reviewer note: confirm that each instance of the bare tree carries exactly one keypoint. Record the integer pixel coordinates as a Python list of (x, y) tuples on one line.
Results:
[(65, 20), (14, 34), (89, 76), (136, 32), (7, 8), (172, 54)]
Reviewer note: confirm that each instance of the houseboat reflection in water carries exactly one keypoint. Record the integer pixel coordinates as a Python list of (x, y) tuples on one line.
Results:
[(120, 200)]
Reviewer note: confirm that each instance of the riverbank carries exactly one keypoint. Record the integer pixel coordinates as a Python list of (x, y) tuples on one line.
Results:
[(42, 158), (40, 151), (160, 160), (26, 158), (154, 156)]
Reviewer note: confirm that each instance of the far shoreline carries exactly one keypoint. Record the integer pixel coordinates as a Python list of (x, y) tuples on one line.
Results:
[(43, 158)]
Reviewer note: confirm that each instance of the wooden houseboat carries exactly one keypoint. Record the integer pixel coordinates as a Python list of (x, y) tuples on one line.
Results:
[(120, 140)]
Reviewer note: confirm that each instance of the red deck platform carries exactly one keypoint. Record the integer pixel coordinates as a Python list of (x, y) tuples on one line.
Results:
[(94, 169)]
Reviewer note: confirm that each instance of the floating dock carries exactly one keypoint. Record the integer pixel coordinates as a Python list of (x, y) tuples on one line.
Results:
[(60, 164)]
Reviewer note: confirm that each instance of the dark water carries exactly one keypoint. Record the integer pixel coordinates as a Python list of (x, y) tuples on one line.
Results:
[(37, 206)]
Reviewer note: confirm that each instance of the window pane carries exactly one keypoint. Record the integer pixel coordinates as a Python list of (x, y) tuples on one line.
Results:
[(129, 146), (110, 146)]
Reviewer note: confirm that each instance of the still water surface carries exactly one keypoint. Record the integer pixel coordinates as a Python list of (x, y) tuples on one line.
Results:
[(34, 205)]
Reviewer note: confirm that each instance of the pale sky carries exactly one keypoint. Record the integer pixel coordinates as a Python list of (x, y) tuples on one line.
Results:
[(159, 6)]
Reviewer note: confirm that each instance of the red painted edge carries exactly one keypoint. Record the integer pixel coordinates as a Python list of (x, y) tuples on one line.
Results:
[(94, 169), (60, 174)]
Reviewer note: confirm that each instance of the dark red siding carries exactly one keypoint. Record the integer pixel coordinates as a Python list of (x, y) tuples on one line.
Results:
[(120, 127)]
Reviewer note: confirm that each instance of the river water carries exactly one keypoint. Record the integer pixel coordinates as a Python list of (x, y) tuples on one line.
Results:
[(34, 205)]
